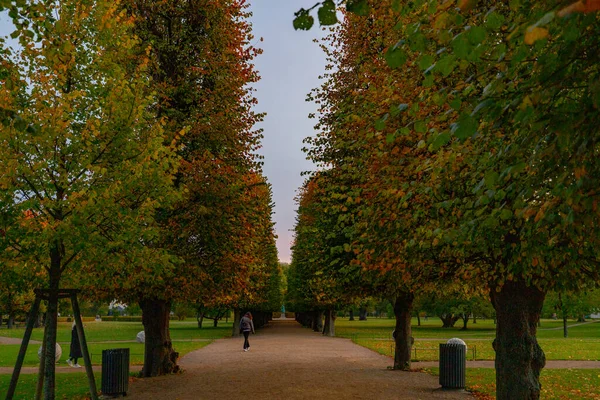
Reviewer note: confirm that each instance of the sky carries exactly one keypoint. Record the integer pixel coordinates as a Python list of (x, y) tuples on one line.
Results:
[(289, 66)]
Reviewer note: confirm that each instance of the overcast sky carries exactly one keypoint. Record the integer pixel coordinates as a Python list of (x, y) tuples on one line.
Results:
[(289, 66)]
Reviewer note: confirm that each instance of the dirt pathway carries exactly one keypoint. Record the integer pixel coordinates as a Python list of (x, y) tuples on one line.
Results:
[(289, 362), (9, 340)]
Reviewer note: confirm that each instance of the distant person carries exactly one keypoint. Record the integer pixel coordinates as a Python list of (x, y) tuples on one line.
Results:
[(75, 350), (246, 326)]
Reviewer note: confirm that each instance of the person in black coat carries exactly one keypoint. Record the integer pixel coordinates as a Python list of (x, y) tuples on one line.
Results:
[(75, 350), (246, 326)]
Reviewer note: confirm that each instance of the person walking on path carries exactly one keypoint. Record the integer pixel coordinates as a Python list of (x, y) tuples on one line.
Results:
[(247, 326), (75, 350)]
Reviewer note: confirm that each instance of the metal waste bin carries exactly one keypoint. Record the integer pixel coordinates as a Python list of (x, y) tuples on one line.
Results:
[(115, 372), (453, 365)]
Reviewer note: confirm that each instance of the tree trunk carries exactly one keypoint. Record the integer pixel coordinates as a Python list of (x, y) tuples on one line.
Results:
[(351, 315), (465, 318), (474, 318), (362, 316), (519, 358), (38, 322), (52, 321), (159, 356), (418, 319), (581, 318), (200, 319), (11, 321), (449, 320), (317, 322), (403, 339), (215, 322), (237, 316), (329, 326)]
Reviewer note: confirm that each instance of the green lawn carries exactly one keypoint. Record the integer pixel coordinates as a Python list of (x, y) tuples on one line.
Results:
[(100, 335), (68, 386), (583, 342), (111, 331), (382, 328), (556, 383), (8, 353)]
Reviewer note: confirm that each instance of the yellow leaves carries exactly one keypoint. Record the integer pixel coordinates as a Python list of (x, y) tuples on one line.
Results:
[(535, 33), (580, 7)]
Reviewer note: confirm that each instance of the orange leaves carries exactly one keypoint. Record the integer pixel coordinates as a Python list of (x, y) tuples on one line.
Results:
[(580, 172), (535, 33), (582, 6), (466, 5)]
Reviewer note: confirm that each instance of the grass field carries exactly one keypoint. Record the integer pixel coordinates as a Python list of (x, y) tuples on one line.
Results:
[(556, 383), (8, 353), (100, 335), (583, 342), (98, 332), (68, 386), (108, 335)]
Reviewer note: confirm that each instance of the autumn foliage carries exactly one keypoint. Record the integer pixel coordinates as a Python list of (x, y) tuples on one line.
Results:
[(466, 133)]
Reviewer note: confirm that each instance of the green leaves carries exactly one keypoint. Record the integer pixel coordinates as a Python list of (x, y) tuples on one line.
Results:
[(465, 127), (494, 21), (446, 65), (303, 21), (327, 14), (441, 140), (359, 7), (395, 57), (490, 179)]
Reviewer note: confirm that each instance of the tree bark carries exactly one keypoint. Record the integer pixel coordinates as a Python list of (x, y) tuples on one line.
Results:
[(200, 319), (362, 316), (317, 322), (519, 358), (237, 316), (351, 315), (159, 356), (465, 318), (52, 321), (329, 326), (215, 322), (449, 320), (418, 319), (11, 321), (403, 339)]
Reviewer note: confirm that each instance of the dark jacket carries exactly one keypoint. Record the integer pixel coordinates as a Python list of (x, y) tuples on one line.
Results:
[(75, 350), (246, 324)]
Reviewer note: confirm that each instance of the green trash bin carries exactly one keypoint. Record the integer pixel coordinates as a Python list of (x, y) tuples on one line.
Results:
[(115, 372), (453, 365)]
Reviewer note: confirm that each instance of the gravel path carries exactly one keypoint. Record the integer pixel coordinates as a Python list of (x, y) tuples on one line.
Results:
[(10, 340), (289, 362)]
